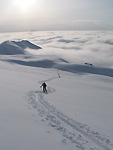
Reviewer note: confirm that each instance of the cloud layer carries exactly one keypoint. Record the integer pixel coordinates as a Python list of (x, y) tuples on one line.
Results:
[(94, 47)]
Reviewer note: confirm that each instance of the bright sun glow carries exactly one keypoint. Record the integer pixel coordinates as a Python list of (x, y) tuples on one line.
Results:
[(24, 4)]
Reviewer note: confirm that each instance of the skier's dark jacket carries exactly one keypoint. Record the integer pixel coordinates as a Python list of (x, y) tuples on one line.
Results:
[(44, 85)]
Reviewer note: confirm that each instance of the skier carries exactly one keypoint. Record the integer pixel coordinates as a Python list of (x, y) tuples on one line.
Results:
[(44, 85)]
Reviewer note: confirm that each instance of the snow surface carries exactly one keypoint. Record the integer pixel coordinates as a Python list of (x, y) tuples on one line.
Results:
[(75, 114), (14, 47)]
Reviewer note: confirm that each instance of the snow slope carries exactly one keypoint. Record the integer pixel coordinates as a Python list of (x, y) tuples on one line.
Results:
[(71, 116), (16, 47), (76, 113)]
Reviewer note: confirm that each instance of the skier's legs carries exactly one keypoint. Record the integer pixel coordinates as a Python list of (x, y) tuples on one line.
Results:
[(43, 89)]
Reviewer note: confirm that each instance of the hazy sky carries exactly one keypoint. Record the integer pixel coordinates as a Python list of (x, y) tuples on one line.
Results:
[(24, 15)]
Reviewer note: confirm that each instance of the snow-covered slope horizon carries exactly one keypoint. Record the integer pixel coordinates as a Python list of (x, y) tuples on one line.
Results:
[(76, 113)]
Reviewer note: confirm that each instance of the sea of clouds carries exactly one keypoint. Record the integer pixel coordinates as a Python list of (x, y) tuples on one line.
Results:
[(77, 47)]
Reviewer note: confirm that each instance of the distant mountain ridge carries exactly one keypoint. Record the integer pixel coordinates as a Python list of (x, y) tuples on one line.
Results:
[(16, 47)]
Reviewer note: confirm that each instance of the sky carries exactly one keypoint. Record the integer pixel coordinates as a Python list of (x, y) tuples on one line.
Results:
[(26, 15)]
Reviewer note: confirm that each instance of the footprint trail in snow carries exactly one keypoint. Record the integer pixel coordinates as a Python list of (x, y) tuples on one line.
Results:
[(77, 133)]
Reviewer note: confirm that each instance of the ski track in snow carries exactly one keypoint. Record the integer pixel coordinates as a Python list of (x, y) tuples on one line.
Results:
[(77, 133)]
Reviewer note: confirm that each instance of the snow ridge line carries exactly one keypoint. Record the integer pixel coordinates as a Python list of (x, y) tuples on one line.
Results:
[(75, 125)]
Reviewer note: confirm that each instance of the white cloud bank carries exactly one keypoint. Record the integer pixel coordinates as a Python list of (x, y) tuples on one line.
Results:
[(95, 47)]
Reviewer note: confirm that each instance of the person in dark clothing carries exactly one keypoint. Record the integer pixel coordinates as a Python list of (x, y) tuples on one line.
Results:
[(44, 85)]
